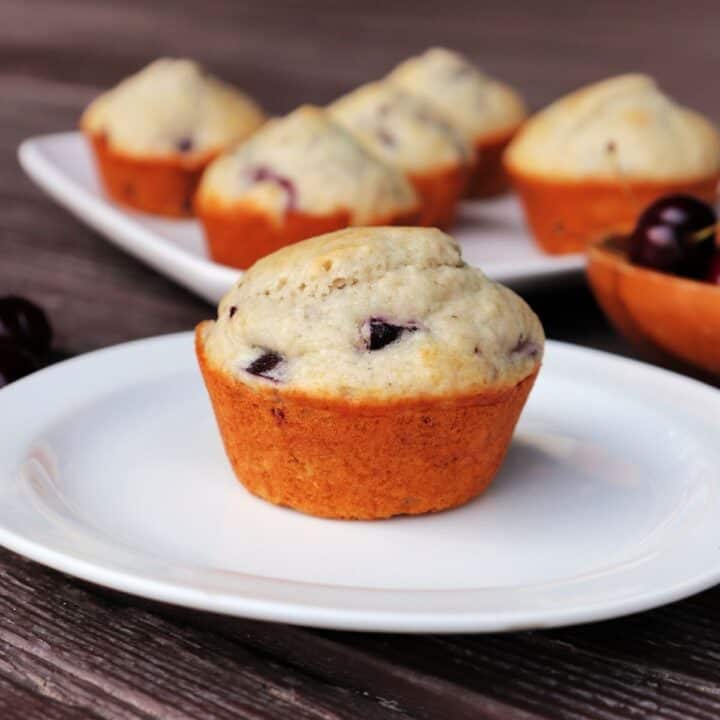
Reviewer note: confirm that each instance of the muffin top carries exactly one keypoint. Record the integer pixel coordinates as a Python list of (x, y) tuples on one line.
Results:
[(172, 107), (475, 103), (373, 314), (401, 128), (307, 162), (624, 127)]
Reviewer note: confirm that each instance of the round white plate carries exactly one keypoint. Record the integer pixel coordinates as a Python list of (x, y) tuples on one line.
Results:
[(492, 233), (111, 469)]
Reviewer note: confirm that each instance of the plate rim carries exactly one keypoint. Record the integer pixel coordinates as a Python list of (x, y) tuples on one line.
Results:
[(292, 611)]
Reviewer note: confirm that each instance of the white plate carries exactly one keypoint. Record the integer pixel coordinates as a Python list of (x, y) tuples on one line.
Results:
[(492, 233), (111, 469)]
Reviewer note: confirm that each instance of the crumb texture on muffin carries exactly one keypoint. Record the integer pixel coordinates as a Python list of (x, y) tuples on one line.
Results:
[(306, 162), (474, 102), (372, 314), (401, 128), (623, 127), (172, 107)]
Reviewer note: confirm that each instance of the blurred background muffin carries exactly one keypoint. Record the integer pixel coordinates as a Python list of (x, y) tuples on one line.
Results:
[(155, 133), (407, 132), (588, 164), (487, 111), (299, 176)]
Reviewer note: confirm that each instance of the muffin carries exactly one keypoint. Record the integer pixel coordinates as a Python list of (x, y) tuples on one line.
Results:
[(367, 373), (154, 134), (587, 165), (299, 176), (486, 111), (408, 133)]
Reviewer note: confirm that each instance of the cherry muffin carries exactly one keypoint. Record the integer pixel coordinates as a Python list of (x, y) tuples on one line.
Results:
[(367, 373), (299, 176), (587, 165), (154, 134), (407, 132), (486, 111)]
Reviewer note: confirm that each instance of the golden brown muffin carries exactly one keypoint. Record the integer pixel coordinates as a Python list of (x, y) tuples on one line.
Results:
[(154, 134), (367, 373)]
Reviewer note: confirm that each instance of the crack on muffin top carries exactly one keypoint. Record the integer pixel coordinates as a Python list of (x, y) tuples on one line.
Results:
[(333, 262)]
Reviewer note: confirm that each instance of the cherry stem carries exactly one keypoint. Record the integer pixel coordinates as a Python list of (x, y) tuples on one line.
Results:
[(701, 235)]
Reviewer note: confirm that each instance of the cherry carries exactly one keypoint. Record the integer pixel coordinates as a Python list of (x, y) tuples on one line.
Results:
[(25, 324), (675, 235), (713, 273), (385, 137), (267, 174), (15, 362), (184, 144), (377, 333), (525, 347), (266, 365)]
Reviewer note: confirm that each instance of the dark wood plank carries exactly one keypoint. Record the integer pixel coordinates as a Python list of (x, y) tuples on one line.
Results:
[(118, 660), (624, 669), (17, 703), (661, 664)]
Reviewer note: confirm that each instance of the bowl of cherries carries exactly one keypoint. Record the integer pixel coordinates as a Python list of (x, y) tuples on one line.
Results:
[(25, 338), (660, 285)]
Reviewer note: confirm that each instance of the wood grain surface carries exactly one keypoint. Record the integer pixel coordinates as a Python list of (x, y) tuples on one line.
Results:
[(69, 650)]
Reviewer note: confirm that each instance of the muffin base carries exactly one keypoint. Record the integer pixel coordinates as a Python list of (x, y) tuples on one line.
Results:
[(440, 192), (566, 217), (336, 459), (239, 235), (488, 177), (162, 186)]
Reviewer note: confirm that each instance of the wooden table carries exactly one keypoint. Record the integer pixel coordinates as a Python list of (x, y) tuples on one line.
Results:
[(70, 650)]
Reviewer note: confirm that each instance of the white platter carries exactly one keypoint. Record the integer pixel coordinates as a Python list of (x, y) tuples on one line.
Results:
[(492, 233), (111, 469)]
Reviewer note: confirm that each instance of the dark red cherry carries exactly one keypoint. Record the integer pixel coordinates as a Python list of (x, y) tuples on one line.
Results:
[(266, 365), (264, 173), (675, 235), (184, 144), (687, 213), (713, 273), (377, 333), (524, 347), (15, 362), (25, 324), (385, 137)]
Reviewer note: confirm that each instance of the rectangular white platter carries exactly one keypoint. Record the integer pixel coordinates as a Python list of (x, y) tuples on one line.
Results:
[(492, 232)]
